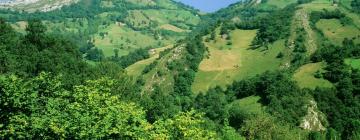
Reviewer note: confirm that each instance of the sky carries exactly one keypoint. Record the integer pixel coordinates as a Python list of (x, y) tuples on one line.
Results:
[(208, 5)]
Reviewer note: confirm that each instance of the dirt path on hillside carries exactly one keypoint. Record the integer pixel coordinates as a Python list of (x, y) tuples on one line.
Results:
[(301, 20), (302, 16)]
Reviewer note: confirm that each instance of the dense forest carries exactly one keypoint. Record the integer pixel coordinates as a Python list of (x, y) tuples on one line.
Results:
[(58, 85)]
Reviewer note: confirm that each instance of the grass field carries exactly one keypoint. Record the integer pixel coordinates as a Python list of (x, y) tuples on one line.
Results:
[(336, 32), (249, 105), (355, 63), (142, 2), (166, 16), (354, 16), (171, 28), (138, 67), (280, 3), (138, 19), (124, 39), (120, 36), (227, 63), (318, 5), (305, 76), (20, 26)]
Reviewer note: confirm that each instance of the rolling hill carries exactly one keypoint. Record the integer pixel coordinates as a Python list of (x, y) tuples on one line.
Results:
[(158, 69), (114, 25), (255, 37)]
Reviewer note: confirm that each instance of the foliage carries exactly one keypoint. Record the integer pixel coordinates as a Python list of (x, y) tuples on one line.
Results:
[(205, 103), (315, 16), (47, 90), (37, 51), (42, 107), (131, 58), (266, 127), (50, 111), (355, 4), (304, 1), (274, 26), (340, 104), (188, 125)]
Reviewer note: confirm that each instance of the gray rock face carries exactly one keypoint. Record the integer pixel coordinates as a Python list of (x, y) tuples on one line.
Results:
[(15, 2), (35, 5), (6, 1)]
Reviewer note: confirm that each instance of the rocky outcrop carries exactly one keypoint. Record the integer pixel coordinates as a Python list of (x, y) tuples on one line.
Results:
[(16, 2), (315, 119), (56, 5), (37, 5)]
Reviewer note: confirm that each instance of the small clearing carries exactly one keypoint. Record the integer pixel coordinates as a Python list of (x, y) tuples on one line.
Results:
[(171, 28), (137, 68), (354, 63), (305, 76), (227, 63), (336, 32)]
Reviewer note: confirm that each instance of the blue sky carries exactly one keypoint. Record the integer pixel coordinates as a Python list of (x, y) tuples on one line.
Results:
[(209, 5)]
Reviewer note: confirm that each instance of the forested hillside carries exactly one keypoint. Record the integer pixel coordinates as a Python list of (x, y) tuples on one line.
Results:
[(115, 27), (157, 69)]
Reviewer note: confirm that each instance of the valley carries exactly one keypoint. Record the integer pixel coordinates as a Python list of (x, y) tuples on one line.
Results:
[(161, 69)]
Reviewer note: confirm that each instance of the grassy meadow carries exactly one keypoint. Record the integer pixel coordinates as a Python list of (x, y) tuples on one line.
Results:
[(318, 5), (336, 32), (249, 105), (305, 76), (227, 63), (355, 63), (280, 3), (123, 38)]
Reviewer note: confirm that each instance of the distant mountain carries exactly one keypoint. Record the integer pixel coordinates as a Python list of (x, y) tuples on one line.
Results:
[(35, 5)]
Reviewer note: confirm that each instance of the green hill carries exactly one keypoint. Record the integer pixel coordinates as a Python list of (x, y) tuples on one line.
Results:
[(120, 24), (158, 69)]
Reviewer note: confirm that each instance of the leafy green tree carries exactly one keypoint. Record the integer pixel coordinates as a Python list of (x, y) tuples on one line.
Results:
[(186, 126), (36, 33), (47, 110), (229, 133), (214, 103), (116, 53), (355, 4), (266, 127), (160, 105), (95, 54)]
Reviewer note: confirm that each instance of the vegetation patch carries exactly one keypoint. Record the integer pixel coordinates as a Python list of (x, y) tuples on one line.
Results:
[(20, 26), (137, 68), (171, 28), (248, 105), (337, 32), (226, 63), (120, 37), (280, 3), (319, 5), (355, 63), (309, 76)]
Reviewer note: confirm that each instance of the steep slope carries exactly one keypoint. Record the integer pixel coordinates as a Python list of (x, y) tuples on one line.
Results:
[(299, 40), (307, 30), (250, 38)]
